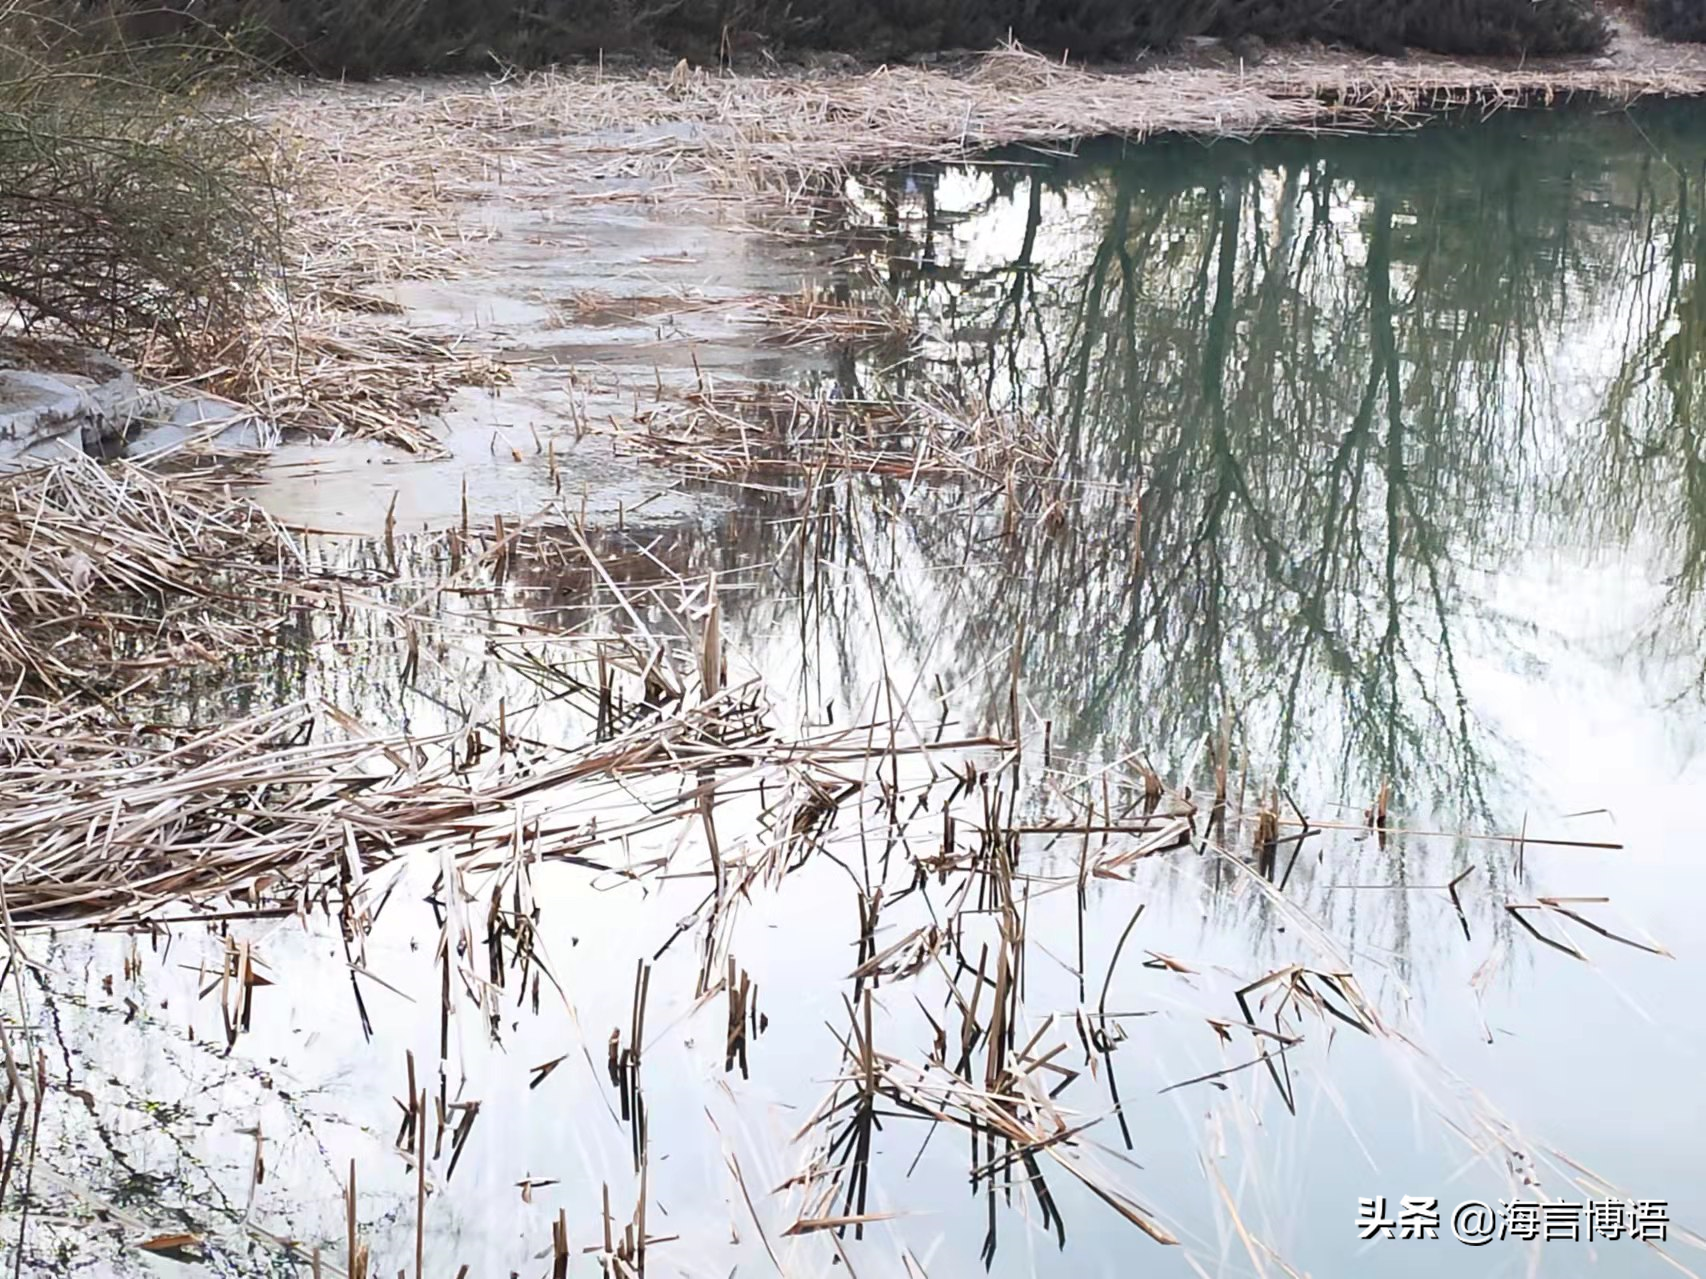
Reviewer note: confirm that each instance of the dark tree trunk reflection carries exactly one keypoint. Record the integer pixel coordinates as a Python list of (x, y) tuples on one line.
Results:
[(1341, 375)]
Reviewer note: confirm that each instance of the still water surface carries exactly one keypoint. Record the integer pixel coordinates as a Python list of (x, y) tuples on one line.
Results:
[(1379, 465)]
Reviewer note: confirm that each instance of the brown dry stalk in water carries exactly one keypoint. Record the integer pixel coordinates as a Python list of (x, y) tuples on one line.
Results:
[(759, 430), (98, 823), (106, 570)]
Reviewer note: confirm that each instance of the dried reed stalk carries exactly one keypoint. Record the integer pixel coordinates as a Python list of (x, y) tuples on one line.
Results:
[(727, 432), (106, 571)]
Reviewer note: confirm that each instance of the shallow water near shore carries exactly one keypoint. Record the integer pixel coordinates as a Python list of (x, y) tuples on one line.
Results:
[(1376, 472)]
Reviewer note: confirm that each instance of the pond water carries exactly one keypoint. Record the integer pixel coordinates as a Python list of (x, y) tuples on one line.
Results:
[(1376, 472)]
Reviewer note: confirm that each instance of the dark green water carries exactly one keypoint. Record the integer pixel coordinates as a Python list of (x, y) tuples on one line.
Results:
[(1361, 390)]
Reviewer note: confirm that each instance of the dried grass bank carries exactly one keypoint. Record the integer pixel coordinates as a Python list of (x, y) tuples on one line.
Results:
[(405, 154), (401, 180)]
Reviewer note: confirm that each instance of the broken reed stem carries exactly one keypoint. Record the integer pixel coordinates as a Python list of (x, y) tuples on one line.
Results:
[(1489, 837), (420, 1186), (355, 1263)]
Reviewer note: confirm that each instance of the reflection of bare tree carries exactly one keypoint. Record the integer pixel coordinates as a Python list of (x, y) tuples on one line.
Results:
[(1339, 382), (133, 1147), (398, 635), (1325, 367), (1646, 474)]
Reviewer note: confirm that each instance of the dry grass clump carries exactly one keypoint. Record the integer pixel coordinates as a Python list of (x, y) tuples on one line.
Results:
[(810, 317), (806, 318), (1011, 1109), (758, 430), (107, 572), (308, 363)]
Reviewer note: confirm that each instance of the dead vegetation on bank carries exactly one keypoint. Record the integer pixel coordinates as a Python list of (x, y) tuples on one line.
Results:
[(389, 182), (409, 156), (396, 181)]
